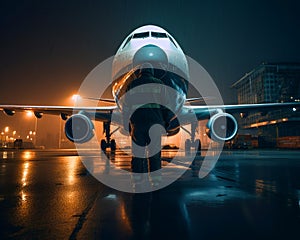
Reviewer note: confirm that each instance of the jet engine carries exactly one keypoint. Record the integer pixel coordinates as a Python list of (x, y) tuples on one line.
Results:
[(221, 127), (79, 128)]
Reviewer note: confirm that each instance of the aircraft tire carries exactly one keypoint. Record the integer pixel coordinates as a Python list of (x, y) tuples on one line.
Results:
[(103, 145), (198, 146), (113, 145)]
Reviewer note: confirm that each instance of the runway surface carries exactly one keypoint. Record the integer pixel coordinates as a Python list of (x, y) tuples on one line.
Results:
[(252, 194)]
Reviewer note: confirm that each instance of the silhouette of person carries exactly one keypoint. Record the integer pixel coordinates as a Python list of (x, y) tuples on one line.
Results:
[(143, 118)]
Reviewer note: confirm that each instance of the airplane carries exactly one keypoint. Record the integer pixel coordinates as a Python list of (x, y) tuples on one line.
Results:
[(152, 44)]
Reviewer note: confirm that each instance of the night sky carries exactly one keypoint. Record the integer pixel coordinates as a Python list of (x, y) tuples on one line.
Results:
[(48, 47)]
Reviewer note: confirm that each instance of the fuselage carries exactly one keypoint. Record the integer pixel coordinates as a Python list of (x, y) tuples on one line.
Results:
[(155, 45)]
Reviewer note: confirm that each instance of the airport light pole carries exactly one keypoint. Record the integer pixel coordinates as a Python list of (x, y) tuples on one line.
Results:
[(30, 114)]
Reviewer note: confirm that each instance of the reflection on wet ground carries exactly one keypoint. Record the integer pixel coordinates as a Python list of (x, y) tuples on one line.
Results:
[(249, 195)]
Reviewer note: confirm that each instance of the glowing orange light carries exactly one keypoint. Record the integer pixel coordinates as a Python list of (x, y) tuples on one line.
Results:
[(29, 113), (76, 97)]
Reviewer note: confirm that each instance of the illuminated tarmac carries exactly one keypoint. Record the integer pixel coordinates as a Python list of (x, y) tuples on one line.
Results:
[(249, 195)]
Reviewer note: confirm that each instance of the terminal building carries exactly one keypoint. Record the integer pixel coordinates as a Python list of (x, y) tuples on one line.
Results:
[(268, 83)]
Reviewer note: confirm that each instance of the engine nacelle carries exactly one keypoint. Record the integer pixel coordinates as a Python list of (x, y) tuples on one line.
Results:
[(9, 112), (222, 127), (79, 128)]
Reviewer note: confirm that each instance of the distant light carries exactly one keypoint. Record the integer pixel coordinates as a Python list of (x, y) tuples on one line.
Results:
[(6, 129), (76, 98), (294, 109), (29, 113), (259, 124)]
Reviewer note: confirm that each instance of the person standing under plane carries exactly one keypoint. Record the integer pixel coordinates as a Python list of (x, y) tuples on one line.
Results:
[(143, 118)]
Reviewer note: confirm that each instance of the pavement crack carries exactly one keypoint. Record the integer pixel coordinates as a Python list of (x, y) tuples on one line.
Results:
[(82, 217)]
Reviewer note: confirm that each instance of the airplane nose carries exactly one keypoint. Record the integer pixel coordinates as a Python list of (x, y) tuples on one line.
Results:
[(151, 54)]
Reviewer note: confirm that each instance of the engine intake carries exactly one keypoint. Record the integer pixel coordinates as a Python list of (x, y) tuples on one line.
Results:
[(79, 128), (222, 127)]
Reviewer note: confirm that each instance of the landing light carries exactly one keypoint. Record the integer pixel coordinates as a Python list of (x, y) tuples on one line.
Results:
[(294, 109)]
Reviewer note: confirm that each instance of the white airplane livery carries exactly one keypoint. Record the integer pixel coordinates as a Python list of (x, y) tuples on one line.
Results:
[(150, 45)]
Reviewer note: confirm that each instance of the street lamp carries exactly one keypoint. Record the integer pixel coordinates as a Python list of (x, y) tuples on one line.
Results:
[(76, 98), (30, 114)]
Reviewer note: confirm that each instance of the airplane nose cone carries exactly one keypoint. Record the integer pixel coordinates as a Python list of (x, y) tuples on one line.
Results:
[(151, 54)]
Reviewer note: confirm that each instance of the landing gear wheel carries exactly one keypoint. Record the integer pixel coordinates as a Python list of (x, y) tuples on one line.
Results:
[(103, 145), (113, 145), (198, 146), (188, 146)]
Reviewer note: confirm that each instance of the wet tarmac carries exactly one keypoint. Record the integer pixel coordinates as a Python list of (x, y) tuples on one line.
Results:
[(253, 194)]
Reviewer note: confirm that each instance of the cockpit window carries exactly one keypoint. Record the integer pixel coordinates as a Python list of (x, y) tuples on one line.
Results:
[(159, 35), (127, 41), (172, 40), (141, 35)]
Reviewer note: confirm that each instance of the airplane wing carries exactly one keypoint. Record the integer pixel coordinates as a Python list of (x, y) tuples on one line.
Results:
[(101, 113), (109, 100), (201, 100), (204, 112), (104, 113)]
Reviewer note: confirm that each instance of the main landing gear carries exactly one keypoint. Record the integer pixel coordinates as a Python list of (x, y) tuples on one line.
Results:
[(192, 143), (108, 142)]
